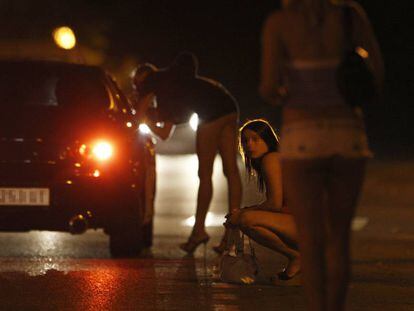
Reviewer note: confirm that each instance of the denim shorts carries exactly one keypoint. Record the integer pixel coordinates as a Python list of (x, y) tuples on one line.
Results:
[(324, 138)]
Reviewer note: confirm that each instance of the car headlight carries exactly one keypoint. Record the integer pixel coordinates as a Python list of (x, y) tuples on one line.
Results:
[(194, 121), (144, 129)]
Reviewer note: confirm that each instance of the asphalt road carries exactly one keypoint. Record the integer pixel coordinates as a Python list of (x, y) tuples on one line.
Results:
[(59, 271)]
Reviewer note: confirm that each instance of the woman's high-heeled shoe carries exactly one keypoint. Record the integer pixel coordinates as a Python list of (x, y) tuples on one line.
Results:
[(193, 242), (283, 278)]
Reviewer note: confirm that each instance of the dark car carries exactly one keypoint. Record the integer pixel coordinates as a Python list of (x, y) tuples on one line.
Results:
[(71, 157)]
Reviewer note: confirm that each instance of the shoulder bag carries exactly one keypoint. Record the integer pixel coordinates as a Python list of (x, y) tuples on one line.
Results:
[(354, 77)]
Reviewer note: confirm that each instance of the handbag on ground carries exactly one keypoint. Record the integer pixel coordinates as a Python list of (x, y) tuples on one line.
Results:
[(236, 266)]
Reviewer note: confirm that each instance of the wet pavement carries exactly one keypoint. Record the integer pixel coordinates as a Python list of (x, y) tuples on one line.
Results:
[(58, 271)]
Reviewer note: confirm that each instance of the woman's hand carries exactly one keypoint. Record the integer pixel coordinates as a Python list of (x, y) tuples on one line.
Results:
[(232, 218)]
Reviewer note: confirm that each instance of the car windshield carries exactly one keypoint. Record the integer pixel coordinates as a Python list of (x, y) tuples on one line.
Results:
[(47, 86)]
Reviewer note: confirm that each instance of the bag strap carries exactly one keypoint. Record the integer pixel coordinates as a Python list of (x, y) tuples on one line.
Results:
[(252, 251), (240, 248), (239, 242), (236, 238), (233, 241)]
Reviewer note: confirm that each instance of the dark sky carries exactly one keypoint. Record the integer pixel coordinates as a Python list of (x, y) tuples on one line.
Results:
[(226, 37)]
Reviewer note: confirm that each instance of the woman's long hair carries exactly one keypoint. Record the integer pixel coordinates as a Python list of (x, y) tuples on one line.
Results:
[(253, 166)]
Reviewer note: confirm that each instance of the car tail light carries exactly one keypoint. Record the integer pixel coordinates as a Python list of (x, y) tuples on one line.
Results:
[(101, 150)]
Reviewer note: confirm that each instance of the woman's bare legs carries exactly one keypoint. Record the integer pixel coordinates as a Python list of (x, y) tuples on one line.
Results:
[(344, 188), (322, 197), (211, 137), (276, 231), (207, 142), (218, 135), (303, 188), (228, 148)]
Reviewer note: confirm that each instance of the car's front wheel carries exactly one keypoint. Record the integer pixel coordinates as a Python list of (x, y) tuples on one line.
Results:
[(126, 233), (126, 241)]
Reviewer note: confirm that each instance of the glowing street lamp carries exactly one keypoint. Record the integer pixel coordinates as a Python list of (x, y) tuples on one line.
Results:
[(64, 37)]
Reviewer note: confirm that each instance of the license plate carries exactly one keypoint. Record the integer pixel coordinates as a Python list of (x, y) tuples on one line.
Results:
[(25, 196)]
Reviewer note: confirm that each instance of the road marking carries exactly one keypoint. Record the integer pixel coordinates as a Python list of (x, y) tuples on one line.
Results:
[(212, 220)]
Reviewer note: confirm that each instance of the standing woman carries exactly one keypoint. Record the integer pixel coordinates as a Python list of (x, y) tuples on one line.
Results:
[(179, 91), (323, 141)]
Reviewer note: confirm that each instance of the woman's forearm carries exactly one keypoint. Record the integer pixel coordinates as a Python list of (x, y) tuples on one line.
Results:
[(162, 132), (269, 205)]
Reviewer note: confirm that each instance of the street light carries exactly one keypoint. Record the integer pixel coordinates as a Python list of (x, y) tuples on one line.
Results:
[(64, 37)]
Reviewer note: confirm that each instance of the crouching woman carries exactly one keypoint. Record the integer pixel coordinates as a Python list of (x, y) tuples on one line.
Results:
[(269, 223)]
